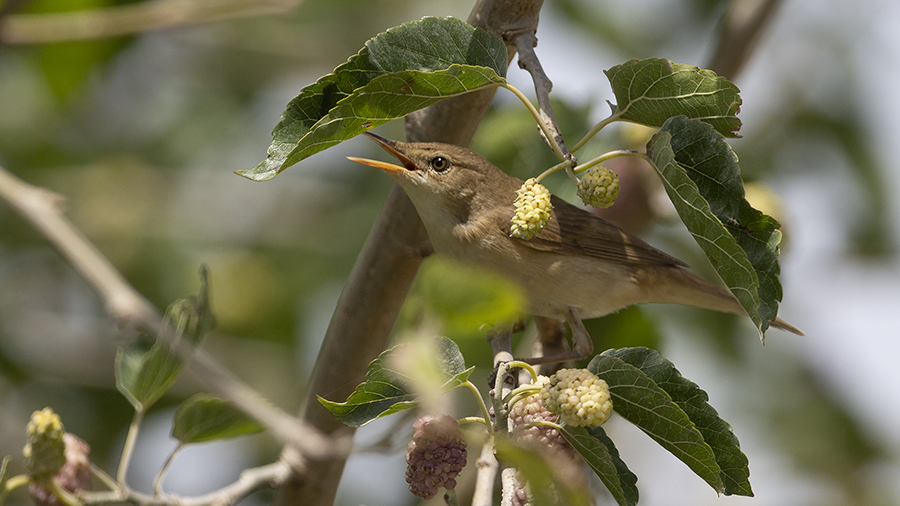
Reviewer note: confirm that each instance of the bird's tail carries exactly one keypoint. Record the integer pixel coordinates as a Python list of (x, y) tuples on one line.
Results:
[(678, 286)]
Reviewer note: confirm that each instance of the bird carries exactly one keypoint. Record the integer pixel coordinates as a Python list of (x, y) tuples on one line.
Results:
[(579, 266)]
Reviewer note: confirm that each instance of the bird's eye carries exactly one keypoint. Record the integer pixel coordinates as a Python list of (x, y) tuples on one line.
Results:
[(440, 164)]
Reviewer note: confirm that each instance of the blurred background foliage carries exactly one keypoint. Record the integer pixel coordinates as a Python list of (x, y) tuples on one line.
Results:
[(141, 133)]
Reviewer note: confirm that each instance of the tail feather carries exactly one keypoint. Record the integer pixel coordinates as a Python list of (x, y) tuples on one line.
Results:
[(678, 286), (778, 323)]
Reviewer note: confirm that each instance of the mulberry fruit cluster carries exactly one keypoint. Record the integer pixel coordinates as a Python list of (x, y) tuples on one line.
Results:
[(436, 454), (532, 210), (599, 187), (74, 475), (45, 450), (546, 440), (51, 453), (578, 396), (531, 409)]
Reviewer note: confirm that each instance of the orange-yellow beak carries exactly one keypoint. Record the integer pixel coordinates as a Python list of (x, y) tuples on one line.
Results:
[(391, 147)]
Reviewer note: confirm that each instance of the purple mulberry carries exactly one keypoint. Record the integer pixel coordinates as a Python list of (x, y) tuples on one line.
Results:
[(436, 454), (546, 440)]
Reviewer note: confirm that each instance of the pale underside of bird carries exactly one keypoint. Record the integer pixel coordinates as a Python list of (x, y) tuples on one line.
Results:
[(578, 266)]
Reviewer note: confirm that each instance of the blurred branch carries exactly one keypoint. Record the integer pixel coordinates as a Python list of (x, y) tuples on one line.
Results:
[(486, 475), (739, 31), (251, 480), (371, 300), (130, 19), (43, 209)]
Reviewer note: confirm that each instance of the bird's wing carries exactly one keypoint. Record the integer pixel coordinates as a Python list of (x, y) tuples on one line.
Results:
[(574, 231)]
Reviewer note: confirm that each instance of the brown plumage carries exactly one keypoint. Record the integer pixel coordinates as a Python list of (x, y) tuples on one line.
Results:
[(578, 266)]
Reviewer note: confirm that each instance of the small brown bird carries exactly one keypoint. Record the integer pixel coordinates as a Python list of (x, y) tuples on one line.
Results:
[(578, 266)]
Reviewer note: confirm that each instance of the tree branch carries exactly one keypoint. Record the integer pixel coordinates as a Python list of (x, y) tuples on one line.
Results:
[(129, 19), (525, 42), (739, 31), (251, 480), (486, 475), (384, 271), (43, 209)]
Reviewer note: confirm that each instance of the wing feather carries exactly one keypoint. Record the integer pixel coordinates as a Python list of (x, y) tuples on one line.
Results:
[(574, 231)]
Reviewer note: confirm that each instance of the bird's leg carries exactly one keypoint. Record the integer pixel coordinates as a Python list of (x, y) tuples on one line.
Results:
[(581, 342), (550, 341)]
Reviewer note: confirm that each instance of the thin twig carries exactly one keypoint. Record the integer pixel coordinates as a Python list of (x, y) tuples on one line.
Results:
[(538, 117), (105, 478), (43, 210), (559, 166), (474, 419), (161, 475), (129, 19), (450, 498), (609, 156), (13, 483), (501, 344), (487, 473), (526, 366), (65, 497), (508, 483), (521, 393), (128, 450), (481, 404), (526, 41), (593, 131), (251, 480)]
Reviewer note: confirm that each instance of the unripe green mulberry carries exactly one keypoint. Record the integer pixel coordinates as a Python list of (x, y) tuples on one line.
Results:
[(45, 451), (578, 396), (532, 210), (599, 187)]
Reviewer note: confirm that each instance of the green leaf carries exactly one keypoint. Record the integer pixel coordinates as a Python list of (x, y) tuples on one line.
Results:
[(146, 370), (694, 401), (543, 475), (638, 399), (206, 418), (653, 90), (701, 175), (398, 71), (388, 390), (601, 455), (466, 298)]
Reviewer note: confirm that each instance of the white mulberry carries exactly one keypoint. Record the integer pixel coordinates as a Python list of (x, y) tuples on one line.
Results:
[(578, 396), (532, 210)]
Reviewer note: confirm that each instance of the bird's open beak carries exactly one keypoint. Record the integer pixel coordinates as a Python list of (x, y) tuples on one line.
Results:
[(390, 147)]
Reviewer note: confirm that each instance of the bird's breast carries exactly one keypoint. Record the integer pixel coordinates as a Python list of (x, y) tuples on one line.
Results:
[(550, 281)]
